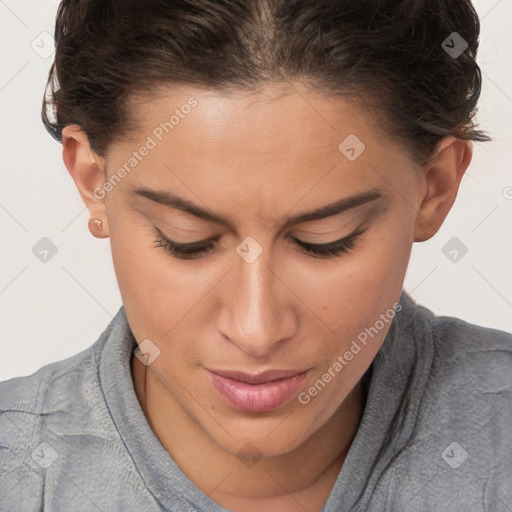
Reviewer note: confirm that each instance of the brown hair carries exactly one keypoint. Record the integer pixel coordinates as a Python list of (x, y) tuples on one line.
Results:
[(388, 52)]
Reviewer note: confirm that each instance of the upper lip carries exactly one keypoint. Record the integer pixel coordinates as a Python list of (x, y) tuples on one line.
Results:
[(258, 378)]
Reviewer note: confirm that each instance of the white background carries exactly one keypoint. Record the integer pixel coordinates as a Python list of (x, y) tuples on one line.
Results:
[(53, 310)]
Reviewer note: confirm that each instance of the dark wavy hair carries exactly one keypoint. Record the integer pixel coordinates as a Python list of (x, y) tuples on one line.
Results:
[(386, 53)]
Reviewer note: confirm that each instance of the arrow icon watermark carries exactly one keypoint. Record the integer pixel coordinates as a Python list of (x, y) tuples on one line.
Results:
[(351, 147), (249, 250), (454, 455), (454, 45), (454, 249), (44, 250), (146, 352)]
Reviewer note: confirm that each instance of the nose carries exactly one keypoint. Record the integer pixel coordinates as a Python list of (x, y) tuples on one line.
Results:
[(257, 307)]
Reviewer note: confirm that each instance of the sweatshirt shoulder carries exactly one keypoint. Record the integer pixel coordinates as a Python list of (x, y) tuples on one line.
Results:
[(36, 411), (460, 437), (50, 385), (454, 340), (63, 398), (469, 382), (477, 351)]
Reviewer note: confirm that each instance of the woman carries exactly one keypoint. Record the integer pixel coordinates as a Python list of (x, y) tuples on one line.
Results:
[(262, 170)]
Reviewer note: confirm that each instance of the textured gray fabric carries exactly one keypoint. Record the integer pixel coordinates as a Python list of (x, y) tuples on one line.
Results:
[(436, 381)]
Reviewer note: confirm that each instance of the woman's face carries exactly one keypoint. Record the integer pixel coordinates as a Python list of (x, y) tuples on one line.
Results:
[(254, 169)]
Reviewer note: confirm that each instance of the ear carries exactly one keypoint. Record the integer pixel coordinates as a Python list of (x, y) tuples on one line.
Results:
[(88, 172), (443, 174)]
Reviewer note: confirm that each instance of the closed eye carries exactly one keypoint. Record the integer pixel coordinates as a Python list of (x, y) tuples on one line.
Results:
[(201, 248), (331, 249)]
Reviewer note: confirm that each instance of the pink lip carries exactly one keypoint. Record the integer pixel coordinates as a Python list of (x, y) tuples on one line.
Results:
[(257, 393)]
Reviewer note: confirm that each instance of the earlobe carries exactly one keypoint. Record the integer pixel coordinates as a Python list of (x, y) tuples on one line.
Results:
[(443, 174), (88, 172)]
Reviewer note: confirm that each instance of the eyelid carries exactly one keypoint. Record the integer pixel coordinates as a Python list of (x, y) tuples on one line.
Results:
[(196, 251), (199, 244), (357, 232), (184, 244), (187, 246)]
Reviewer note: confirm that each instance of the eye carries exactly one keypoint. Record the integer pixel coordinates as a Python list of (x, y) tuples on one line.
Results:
[(189, 251), (331, 249), (201, 248)]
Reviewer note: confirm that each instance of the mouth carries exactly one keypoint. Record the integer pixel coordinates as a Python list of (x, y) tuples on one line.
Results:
[(260, 392)]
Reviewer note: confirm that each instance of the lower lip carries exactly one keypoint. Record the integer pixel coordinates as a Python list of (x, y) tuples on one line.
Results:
[(257, 397)]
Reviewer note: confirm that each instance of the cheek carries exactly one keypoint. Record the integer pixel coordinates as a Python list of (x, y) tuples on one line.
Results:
[(355, 290), (154, 292)]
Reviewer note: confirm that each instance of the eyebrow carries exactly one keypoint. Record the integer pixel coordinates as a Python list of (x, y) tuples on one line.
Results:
[(179, 203)]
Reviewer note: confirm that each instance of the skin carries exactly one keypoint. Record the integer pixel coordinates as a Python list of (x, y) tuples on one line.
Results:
[(254, 159)]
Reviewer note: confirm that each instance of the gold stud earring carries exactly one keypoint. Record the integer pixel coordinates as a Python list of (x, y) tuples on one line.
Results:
[(96, 228)]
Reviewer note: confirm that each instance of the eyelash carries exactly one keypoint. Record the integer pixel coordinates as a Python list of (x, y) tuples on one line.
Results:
[(197, 249)]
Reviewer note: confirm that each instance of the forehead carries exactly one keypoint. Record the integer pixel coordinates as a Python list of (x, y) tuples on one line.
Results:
[(260, 148), (284, 118)]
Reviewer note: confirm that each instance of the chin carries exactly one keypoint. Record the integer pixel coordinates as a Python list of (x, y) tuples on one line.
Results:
[(263, 436), (260, 446)]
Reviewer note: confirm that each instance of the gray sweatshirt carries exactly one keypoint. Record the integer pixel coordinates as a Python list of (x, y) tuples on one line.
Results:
[(436, 432)]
